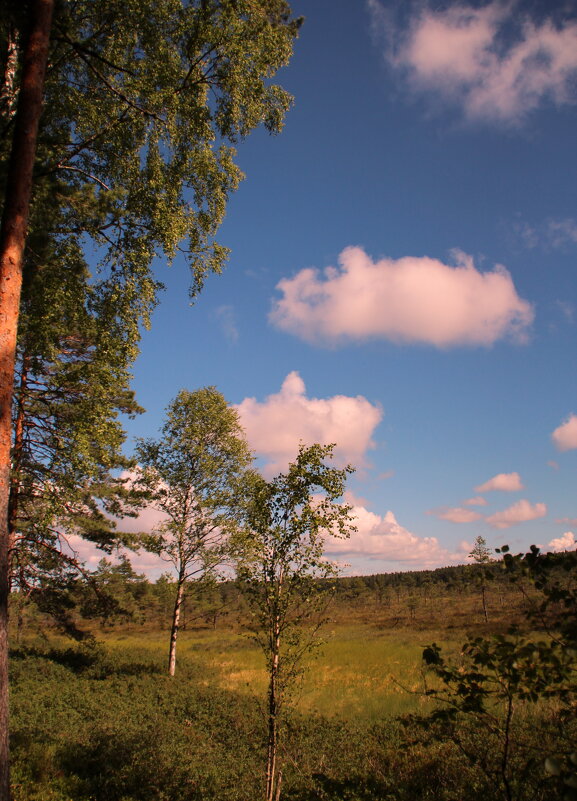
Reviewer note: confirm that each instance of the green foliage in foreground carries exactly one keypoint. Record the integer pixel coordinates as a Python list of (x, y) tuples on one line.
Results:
[(93, 725), (498, 677)]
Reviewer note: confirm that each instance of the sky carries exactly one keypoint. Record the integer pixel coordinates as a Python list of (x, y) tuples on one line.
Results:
[(402, 279)]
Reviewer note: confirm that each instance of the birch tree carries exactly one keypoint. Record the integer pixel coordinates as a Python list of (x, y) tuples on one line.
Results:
[(285, 576), (193, 472)]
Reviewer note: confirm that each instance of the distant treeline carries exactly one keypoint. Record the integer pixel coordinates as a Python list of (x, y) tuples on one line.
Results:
[(115, 595)]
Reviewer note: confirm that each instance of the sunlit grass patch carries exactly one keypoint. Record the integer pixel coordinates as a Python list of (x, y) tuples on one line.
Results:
[(359, 673)]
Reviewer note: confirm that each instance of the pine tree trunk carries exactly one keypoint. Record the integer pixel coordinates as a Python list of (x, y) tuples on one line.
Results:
[(175, 625), (12, 241)]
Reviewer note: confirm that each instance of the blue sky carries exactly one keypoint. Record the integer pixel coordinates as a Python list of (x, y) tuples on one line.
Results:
[(426, 146)]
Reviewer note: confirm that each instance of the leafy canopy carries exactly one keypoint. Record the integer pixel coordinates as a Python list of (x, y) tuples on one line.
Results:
[(193, 473), (144, 102)]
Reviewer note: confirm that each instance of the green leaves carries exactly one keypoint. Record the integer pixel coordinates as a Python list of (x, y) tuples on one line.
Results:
[(283, 569), (498, 676), (143, 100), (192, 474)]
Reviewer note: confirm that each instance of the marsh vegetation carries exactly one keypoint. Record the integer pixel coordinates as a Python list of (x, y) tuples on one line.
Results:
[(100, 719)]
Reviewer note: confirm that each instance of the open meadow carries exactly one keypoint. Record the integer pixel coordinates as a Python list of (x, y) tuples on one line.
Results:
[(101, 720)]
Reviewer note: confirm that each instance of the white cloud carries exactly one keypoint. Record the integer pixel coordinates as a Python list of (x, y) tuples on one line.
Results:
[(493, 61), (142, 561), (384, 539), (564, 543), (407, 300), (565, 436), (506, 482), (275, 426), (567, 521), (519, 512), (476, 501), (456, 514)]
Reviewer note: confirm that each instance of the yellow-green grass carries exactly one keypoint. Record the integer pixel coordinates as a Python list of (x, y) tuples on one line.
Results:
[(359, 673)]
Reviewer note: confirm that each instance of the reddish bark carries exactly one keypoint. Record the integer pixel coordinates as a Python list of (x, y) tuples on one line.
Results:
[(12, 242)]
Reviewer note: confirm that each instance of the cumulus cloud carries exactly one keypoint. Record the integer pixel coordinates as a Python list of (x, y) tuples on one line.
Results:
[(506, 482), (478, 500), (407, 300), (565, 436), (564, 543), (493, 61), (456, 514), (383, 538), (519, 512), (275, 426)]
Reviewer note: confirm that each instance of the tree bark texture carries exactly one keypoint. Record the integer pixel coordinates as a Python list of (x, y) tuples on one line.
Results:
[(175, 626), (12, 242), (272, 779)]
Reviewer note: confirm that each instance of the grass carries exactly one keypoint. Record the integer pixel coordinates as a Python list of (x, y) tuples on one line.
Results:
[(360, 672), (107, 724)]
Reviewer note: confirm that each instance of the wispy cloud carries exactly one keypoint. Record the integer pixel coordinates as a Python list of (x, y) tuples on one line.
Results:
[(227, 319), (565, 436), (505, 482), (519, 512), (494, 61), (567, 310), (478, 500), (549, 234), (275, 426), (567, 521), (455, 514), (563, 232), (407, 300)]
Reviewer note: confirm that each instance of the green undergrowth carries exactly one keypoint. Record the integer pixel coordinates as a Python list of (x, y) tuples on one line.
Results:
[(104, 723)]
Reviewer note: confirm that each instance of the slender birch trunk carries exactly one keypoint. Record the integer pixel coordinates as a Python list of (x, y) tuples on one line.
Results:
[(175, 626), (273, 774), (12, 242), (273, 704)]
